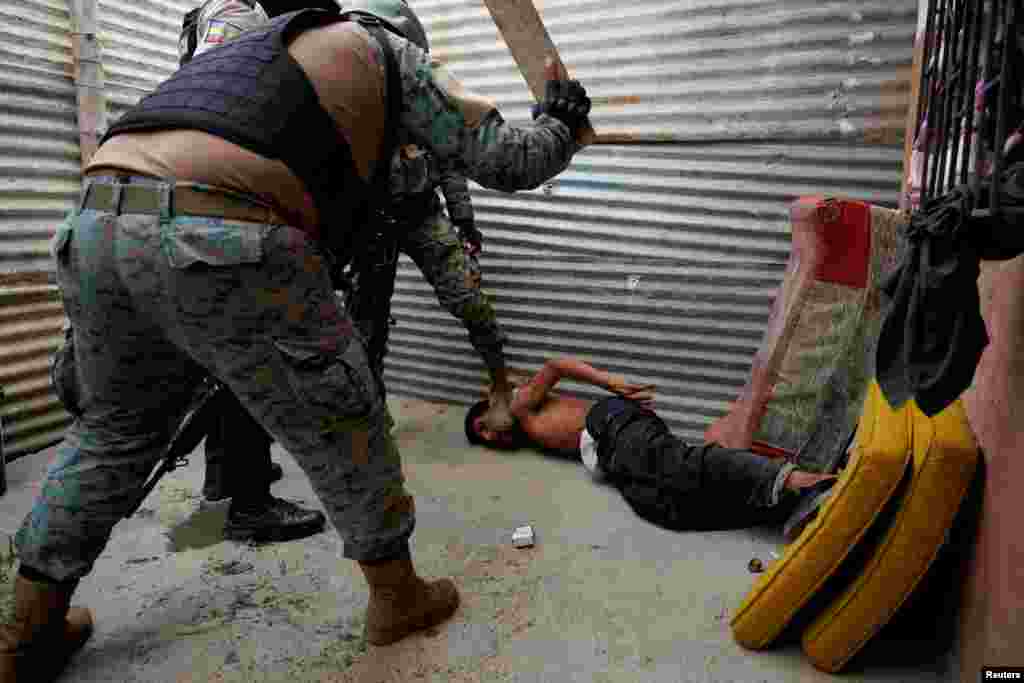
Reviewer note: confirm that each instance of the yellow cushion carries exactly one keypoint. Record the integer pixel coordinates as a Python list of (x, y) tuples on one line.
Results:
[(945, 456), (878, 462)]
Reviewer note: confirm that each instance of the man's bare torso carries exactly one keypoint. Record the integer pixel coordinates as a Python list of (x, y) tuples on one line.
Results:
[(556, 423)]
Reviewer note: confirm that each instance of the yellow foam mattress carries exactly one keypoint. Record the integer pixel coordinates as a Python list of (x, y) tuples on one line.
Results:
[(945, 457), (878, 462)]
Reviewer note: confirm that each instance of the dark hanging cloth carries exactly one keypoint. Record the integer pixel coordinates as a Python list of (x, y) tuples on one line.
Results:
[(932, 334)]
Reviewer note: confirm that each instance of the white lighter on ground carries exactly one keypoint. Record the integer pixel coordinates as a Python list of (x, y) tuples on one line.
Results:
[(522, 537)]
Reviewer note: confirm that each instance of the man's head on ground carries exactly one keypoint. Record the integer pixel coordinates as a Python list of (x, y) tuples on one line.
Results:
[(480, 434)]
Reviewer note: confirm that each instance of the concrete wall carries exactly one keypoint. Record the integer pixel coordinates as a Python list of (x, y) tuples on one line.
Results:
[(992, 620)]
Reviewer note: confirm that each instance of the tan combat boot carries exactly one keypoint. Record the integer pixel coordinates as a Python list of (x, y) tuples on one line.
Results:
[(45, 632), (401, 602)]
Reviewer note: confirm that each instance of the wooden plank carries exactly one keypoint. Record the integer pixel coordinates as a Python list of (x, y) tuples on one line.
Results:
[(911, 123), (912, 104), (527, 38)]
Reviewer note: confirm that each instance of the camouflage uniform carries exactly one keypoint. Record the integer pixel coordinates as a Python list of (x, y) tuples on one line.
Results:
[(415, 219), (157, 301), (436, 248)]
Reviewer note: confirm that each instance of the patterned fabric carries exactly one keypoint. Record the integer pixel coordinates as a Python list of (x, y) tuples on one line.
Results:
[(455, 276), (809, 376), (469, 135)]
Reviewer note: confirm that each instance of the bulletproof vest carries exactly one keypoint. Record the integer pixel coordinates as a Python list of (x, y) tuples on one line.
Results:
[(253, 93), (660, 475)]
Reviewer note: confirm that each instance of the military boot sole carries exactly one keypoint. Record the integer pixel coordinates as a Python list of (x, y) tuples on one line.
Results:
[(264, 533)]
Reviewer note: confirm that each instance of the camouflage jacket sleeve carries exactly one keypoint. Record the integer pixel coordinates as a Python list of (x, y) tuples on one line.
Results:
[(468, 134), (413, 173), (456, 197)]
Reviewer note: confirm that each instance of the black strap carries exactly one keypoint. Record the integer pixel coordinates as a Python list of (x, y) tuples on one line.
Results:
[(188, 30), (389, 142)]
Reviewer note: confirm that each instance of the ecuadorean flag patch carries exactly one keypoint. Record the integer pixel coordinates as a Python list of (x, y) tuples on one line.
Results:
[(217, 32)]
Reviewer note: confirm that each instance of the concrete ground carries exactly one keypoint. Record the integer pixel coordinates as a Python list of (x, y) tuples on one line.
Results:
[(603, 596)]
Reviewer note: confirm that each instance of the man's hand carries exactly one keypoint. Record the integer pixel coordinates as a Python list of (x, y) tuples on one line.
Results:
[(641, 393), (564, 99), (472, 239), (799, 479)]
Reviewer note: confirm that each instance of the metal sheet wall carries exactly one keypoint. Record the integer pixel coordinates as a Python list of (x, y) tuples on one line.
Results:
[(140, 47), (655, 260), (40, 178), (660, 260)]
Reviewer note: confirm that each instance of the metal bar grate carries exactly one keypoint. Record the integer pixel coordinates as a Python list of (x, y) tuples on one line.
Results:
[(970, 98)]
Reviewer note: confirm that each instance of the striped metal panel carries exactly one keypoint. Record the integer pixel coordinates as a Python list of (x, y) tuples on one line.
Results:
[(662, 70), (39, 179), (140, 47), (659, 260)]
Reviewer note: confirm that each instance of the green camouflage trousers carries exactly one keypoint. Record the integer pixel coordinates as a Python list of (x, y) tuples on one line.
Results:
[(435, 247), (156, 302)]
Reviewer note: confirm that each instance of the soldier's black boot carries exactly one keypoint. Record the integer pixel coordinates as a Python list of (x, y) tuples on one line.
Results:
[(269, 519)]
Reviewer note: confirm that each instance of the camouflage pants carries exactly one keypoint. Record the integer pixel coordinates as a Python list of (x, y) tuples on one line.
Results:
[(455, 276), (156, 302)]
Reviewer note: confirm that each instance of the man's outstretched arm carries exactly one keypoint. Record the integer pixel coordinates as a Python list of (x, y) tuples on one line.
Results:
[(532, 394)]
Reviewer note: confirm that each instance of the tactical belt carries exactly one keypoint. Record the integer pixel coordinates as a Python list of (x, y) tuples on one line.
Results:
[(180, 200)]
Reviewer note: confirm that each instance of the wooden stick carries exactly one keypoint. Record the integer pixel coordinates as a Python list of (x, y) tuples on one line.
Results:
[(523, 30)]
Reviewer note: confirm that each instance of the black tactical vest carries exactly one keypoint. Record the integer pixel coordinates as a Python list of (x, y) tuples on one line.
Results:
[(253, 93)]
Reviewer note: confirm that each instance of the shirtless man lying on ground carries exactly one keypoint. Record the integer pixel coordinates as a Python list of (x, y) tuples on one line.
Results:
[(666, 480)]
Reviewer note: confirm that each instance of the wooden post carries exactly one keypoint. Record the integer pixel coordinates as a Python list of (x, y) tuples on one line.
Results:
[(523, 30), (91, 93), (912, 112)]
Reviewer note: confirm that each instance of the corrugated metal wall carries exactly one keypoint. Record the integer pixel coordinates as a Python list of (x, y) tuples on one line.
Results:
[(656, 260), (660, 260), (40, 178), (140, 47)]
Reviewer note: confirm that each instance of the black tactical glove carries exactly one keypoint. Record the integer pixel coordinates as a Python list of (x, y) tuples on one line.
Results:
[(472, 239), (567, 101)]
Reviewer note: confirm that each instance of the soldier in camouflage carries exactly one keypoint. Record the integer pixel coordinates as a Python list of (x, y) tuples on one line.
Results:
[(237, 448), (199, 247), (444, 248), (238, 463)]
